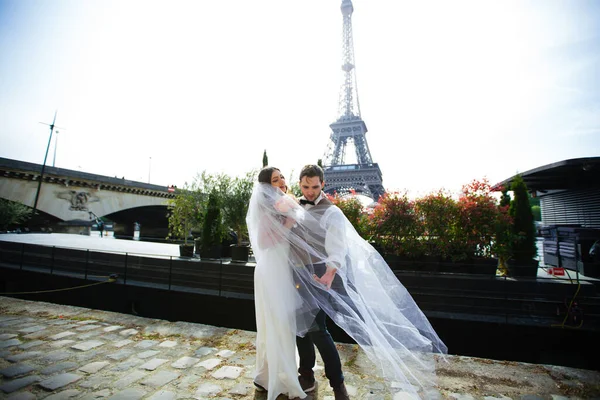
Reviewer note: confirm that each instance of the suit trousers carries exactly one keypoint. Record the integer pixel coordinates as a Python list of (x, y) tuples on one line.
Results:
[(319, 336)]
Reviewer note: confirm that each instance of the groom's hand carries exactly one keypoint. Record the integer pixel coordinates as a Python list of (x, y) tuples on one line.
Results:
[(289, 222), (327, 278)]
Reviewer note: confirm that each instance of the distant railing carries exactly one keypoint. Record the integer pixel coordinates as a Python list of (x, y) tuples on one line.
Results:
[(165, 272)]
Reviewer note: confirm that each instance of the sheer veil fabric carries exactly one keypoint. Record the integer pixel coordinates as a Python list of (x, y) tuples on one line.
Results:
[(366, 299)]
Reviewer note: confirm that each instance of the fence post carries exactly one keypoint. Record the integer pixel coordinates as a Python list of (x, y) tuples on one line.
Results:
[(505, 299), (125, 274), (220, 276), (87, 261), (22, 255), (170, 270), (52, 263)]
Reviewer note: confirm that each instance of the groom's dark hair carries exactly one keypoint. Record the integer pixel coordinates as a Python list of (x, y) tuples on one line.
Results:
[(265, 174), (310, 171)]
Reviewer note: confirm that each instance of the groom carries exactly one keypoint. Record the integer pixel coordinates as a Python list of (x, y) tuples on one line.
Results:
[(313, 199)]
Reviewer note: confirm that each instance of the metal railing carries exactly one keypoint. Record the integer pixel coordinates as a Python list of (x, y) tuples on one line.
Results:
[(548, 301), (214, 277)]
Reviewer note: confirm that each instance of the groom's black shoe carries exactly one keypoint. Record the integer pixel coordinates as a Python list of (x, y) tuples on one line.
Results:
[(307, 383), (341, 393), (259, 388)]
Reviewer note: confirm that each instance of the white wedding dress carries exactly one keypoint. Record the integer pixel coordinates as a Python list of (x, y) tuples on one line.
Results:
[(276, 302)]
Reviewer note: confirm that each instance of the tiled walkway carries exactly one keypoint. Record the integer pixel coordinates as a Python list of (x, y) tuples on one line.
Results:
[(62, 352)]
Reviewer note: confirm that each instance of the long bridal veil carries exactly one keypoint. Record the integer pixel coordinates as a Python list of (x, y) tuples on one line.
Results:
[(366, 299)]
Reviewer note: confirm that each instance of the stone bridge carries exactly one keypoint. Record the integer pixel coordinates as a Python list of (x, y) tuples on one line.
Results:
[(70, 199)]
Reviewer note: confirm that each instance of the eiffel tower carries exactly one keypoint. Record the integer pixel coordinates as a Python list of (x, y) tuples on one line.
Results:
[(364, 176)]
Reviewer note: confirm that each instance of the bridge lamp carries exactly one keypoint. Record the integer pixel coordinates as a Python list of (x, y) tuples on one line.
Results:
[(37, 194)]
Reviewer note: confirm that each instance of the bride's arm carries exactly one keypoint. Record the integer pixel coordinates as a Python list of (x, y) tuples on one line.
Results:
[(273, 232), (276, 224)]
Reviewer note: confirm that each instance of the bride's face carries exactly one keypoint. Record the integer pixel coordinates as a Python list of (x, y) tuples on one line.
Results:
[(278, 180)]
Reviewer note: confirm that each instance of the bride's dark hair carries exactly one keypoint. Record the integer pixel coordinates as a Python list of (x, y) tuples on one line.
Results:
[(264, 176)]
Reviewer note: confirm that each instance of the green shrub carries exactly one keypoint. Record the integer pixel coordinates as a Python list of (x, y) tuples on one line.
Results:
[(13, 214), (523, 245)]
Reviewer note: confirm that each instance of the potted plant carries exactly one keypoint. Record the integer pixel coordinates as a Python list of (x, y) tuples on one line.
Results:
[(206, 184), (502, 244), (213, 230), (183, 216), (236, 207), (438, 214), (478, 219), (189, 208), (523, 248), (397, 231)]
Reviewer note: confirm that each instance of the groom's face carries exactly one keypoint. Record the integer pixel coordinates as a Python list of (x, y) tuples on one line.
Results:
[(311, 187)]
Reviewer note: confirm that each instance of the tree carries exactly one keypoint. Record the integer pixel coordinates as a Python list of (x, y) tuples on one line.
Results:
[(184, 212), (505, 199), (536, 209), (502, 247), (13, 214), (212, 227), (188, 209), (265, 159), (320, 163), (537, 213), (523, 229), (236, 205)]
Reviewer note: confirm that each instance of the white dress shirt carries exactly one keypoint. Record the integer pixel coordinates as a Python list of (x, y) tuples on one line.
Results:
[(333, 222)]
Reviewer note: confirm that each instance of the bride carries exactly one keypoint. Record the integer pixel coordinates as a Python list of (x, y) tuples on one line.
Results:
[(276, 301), (366, 300)]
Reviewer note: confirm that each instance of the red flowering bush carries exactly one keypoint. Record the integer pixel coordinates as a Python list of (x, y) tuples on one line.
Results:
[(438, 213), (395, 227), (353, 210), (485, 222), (478, 215), (437, 225)]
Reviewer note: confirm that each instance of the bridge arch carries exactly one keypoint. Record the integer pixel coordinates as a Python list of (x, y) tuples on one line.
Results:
[(75, 196)]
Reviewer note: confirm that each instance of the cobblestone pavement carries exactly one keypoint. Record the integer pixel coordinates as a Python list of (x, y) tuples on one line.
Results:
[(61, 352)]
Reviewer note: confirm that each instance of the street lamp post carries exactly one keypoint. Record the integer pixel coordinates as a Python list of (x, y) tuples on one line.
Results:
[(37, 194)]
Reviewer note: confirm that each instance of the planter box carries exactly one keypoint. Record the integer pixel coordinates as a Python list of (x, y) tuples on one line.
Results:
[(186, 250), (458, 267), (198, 246), (525, 269), (479, 266), (239, 253), (211, 252), (484, 266), (589, 269), (402, 263)]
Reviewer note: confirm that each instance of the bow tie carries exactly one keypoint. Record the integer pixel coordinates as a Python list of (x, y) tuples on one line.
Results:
[(303, 202)]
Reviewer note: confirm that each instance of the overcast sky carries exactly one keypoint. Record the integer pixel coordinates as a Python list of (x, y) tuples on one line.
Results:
[(449, 90)]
